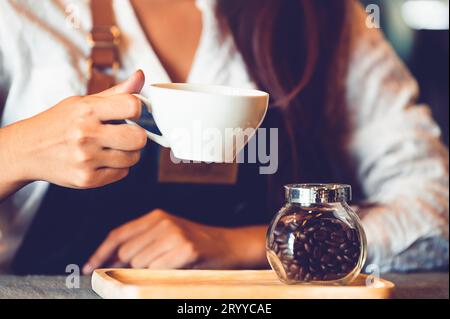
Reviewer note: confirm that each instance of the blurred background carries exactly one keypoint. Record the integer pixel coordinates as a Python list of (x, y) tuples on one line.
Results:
[(418, 30)]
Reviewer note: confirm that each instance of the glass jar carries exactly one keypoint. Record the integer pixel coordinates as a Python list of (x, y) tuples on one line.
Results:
[(316, 238)]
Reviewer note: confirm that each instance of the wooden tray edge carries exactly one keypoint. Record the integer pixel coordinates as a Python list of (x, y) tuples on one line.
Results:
[(108, 287)]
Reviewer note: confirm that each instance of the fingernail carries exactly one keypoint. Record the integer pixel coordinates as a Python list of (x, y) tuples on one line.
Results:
[(88, 269), (137, 72)]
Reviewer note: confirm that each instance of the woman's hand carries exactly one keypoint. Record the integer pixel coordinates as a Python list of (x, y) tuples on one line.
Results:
[(159, 240), (72, 145)]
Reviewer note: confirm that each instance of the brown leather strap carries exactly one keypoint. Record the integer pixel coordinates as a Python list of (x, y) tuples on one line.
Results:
[(104, 39)]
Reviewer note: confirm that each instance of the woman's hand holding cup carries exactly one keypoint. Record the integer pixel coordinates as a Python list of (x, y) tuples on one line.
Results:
[(72, 144)]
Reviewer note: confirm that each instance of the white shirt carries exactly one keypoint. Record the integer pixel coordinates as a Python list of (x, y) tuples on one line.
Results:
[(401, 163)]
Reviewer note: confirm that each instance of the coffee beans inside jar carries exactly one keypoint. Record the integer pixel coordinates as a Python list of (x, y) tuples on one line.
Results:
[(310, 243)]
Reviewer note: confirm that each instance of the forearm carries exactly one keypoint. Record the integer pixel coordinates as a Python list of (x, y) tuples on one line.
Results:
[(248, 245), (398, 231), (12, 169), (13, 172)]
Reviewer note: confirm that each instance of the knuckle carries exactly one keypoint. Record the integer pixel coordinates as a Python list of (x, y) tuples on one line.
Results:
[(136, 263), (86, 108), (179, 235), (143, 140), (159, 213), (81, 134), (191, 250), (135, 158), (114, 235), (82, 156), (167, 223), (138, 136), (83, 140), (123, 173), (122, 254), (141, 137), (134, 105), (86, 178)]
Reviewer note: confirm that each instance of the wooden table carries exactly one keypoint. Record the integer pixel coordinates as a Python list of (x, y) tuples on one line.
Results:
[(424, 285)]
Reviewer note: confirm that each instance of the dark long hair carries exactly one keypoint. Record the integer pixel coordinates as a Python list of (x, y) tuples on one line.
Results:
[(298, 50)]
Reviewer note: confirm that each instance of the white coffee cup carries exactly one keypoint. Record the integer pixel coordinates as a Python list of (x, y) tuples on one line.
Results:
[(204, 122)]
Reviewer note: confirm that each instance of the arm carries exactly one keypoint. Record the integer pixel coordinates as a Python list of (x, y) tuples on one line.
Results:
[(10, 179), (401, 162), (159, 240)]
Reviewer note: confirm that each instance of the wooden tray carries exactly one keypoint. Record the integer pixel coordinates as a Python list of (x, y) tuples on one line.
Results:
[(215, 284)]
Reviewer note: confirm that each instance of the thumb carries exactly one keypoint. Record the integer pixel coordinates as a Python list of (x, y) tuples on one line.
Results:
[(134, 84)]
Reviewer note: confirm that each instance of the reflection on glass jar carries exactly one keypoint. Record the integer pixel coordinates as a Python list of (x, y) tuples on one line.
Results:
[(316, 237)]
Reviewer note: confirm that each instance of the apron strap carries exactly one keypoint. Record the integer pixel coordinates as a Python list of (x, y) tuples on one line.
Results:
[(104, 40)]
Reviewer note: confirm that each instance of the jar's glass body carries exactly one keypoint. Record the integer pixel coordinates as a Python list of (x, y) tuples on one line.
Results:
[(316, 244)]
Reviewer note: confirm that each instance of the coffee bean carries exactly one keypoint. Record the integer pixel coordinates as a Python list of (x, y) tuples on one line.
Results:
[(325, 259), (281, 238), (345, 267), (304, 262), (293, 268), (300, 253), (334, 224), (337, 237), (331, 264), (278, 231), (314, 268), (308, 247), (317, 277), (351, 234), (307, 277), (348, 259), (287, 252), (301, 273), (311, 229), (332, 270), (332, 250), (330, 277), (301, 236), (320, 235), (349, 252), (317, 253), (332, 243), (283, 245), (287, 256)]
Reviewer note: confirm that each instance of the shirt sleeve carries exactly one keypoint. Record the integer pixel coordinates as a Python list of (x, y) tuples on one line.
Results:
[(400, 161), (2, 78)]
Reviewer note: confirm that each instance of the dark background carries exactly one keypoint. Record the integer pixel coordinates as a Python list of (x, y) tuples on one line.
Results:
[(424, 48)]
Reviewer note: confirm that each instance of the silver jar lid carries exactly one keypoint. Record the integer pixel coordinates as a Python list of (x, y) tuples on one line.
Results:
[(318, 193)]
